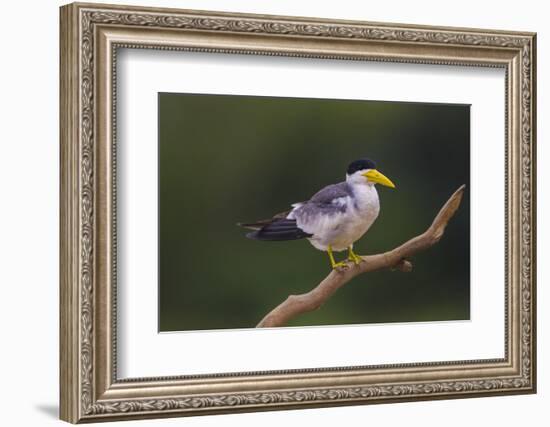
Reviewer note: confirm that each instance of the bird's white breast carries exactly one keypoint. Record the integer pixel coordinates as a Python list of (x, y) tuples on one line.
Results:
[(341, 230)]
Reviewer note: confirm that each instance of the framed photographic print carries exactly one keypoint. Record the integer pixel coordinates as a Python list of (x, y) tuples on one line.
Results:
[(266, 212)]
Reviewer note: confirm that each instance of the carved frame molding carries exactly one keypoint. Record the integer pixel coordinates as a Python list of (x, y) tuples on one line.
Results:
[(90, 37)]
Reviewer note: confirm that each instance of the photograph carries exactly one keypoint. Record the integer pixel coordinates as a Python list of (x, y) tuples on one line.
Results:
[(261, 197)]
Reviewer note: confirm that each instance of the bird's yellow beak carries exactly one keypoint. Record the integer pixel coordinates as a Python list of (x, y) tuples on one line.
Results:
[(374, 176)]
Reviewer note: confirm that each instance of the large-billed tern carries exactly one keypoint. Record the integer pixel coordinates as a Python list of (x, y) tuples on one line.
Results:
[(334, 218)]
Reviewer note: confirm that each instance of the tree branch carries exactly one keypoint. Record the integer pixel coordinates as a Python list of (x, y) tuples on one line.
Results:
[(295, 305)]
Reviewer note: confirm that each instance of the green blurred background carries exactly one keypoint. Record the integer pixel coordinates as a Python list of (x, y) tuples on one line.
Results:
[(226, 159)]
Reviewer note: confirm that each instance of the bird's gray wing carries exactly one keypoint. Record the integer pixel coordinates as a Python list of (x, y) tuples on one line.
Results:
[(331, 194), (285, 225), (329, 201)]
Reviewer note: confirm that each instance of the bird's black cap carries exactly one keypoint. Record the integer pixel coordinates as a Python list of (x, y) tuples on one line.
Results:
[(360, 164)]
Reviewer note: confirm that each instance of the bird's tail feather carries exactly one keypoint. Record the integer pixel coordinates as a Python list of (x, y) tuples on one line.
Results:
[(276, 230), (257, 225)]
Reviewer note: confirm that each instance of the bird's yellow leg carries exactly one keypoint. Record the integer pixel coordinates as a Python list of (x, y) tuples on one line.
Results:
[(332, 261), (352, 256)]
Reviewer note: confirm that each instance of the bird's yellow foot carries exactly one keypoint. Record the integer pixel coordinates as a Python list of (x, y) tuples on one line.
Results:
[(335, 265), (352, 256), (341, 264)]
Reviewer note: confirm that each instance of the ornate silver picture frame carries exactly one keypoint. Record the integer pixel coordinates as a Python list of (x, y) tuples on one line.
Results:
[(91, 35)]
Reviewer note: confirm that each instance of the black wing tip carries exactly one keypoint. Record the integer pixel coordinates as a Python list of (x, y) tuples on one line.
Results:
[(249, 225), (278, 230), (276, 237), (253, 235)]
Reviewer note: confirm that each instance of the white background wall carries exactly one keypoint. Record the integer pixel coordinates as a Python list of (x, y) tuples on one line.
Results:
[(29, 170)]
